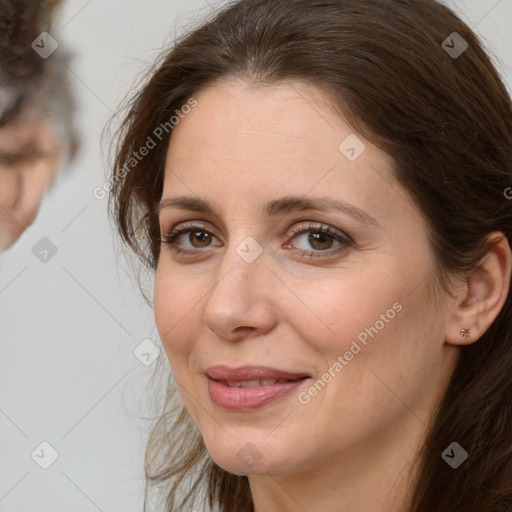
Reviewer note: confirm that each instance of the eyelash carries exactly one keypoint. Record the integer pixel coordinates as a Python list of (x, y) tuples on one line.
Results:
[(344, 239)]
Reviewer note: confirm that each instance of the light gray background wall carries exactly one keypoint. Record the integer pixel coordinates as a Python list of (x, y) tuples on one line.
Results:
[(68, 327)]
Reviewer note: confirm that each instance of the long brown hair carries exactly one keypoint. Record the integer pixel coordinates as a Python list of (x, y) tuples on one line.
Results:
[(388, 66)]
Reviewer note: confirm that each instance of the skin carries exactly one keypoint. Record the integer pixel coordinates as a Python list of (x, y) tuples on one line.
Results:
[(30, 158), (353, 446)]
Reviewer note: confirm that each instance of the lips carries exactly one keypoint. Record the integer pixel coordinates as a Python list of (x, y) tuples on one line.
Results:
[(249, 388)]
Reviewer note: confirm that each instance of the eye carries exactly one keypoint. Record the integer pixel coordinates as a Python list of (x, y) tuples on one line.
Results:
[(9, 160), (198, 237), (16, 159), (321, 239)]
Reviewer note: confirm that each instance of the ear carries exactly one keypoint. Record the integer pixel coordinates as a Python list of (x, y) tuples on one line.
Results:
[(483, 294)]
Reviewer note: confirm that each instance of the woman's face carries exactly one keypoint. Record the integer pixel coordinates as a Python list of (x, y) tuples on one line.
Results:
[(30, 158), (255, 281)]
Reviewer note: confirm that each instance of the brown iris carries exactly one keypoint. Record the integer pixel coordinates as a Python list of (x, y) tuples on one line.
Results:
[(319, 238)]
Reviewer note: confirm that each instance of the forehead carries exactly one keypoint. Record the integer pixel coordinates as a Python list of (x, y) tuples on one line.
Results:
[(259, 143), (234, 120)]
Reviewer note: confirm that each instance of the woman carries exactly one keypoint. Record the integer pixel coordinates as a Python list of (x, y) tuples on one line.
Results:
[(325, 210)]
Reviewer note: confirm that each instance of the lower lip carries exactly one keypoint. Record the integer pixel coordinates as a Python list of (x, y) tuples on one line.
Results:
[(249, 399)]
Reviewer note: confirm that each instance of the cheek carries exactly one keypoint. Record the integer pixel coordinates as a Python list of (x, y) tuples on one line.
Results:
[(10, 231), (332, 312), (11, 187), (373, 323), (388, 346), (177, 311)]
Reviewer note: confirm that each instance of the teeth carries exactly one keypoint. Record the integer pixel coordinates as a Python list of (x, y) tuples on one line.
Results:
[(254, 383), (250, 383)]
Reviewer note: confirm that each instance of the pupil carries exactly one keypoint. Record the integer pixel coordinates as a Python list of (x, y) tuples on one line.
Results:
[(203, 237), (318, 238)]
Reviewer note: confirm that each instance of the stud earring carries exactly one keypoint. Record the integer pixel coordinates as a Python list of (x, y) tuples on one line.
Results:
[(465, 334)]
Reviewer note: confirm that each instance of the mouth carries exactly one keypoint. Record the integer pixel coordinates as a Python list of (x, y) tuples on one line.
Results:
[(250, 387), (251, 373), (255, 383)]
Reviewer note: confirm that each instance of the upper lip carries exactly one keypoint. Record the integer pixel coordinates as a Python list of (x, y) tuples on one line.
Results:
[(222, 372)]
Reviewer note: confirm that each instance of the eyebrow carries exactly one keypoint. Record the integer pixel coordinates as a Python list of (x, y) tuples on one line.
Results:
[(273, 208)]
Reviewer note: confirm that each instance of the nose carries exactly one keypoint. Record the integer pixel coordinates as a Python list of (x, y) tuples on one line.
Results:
[(240, 304)]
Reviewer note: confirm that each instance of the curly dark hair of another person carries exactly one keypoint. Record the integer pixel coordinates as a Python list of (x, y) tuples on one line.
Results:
[(26, 79)]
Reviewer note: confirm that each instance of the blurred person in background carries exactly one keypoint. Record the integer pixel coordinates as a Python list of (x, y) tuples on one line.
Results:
[(37, 136)]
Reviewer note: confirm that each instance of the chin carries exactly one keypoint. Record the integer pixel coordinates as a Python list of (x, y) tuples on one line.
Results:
[(248, 455)]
